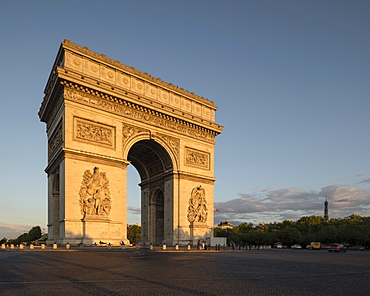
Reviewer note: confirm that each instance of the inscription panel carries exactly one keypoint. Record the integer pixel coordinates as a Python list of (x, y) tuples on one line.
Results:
[(93, 132), (197, 158)]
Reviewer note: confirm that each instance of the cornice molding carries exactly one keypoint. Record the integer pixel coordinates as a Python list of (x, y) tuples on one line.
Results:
[(194, 177), (79, 153), (131, 110)]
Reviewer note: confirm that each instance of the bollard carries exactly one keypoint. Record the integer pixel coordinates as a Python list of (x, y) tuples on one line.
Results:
[(3, 246), (189, 247), (122, 245), (176, 247), (68, 246), (55, 246), (32, 246), (21, 246), (164, 247), (42, 247), (11, 246)]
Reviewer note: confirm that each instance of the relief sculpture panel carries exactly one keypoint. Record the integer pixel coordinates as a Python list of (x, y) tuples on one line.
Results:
[(94, 132), (197, 158), (95, 200), (197, 209)]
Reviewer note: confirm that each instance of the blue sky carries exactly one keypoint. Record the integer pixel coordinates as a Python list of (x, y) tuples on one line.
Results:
[(290, 78)]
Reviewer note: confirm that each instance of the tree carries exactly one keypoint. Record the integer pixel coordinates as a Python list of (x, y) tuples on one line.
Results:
[(34, 234), (310, 223), (134, 233), (290, 235), (244, 227), (27, 237)]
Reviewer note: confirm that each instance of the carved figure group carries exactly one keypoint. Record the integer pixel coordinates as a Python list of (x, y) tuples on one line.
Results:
[(94, 194), (197, 209)]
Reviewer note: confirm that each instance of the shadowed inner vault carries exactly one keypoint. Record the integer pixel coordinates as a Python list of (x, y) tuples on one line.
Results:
[(154, 166)]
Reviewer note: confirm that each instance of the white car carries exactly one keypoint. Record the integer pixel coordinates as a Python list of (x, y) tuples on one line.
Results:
[(296, 246)]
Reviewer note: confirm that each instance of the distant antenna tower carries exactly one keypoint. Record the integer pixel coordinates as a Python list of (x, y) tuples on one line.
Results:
[(326, 215)]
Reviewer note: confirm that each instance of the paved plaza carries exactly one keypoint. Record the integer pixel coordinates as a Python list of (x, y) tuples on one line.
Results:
[(147, 272)]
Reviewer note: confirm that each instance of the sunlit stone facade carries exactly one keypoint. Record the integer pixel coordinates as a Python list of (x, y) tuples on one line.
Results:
[(102, 116)]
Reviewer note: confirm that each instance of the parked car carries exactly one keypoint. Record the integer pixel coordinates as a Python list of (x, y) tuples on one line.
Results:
[(357, 248), (278, 245), (296, 246), (315, 246), (336, 248)]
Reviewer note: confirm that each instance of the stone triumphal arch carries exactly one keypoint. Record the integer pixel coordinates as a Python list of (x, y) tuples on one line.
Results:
[(102, 116)]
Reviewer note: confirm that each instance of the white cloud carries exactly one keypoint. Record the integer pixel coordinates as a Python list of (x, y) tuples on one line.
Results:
[(270, 205), (133, 210), (13, 230), (365, 181)]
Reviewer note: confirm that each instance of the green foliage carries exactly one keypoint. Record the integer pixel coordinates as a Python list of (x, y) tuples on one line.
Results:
[(310, 223), (27, 237), (353, 229), (3, 241), (34, 233), (289, 235), (133, 233)]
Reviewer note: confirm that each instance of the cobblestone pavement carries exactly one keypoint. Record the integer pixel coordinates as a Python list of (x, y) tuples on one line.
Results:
[(146, 272)]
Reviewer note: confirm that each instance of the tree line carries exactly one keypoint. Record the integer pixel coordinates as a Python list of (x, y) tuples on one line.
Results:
[(351, 230), (33, 235)]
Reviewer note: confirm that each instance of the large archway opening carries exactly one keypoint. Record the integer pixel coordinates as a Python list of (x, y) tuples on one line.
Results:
[(155, 167)]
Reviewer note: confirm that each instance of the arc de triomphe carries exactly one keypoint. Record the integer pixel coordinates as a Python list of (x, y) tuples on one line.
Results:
[(102, 116)]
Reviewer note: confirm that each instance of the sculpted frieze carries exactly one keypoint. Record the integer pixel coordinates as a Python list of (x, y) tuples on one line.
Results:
[(133, 111), (197, 209), (197, 158), (94, 132)]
